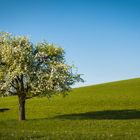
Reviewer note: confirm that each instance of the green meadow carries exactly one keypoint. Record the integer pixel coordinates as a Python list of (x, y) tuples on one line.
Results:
[(109, 111)]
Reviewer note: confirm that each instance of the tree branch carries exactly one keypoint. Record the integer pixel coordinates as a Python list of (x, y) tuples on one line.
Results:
[(12, 84), (13, 93), (18, 79)]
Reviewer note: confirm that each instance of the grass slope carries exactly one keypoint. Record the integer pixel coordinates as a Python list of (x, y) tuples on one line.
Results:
[(108, 111)]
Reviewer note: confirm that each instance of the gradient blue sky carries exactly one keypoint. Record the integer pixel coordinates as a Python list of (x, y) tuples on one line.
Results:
[(101, 37)]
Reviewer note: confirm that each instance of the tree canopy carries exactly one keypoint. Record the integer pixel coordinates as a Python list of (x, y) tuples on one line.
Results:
[(29, 70)]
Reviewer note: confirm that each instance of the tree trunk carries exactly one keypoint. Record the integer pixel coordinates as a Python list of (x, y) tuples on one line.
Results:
[(21, 108)]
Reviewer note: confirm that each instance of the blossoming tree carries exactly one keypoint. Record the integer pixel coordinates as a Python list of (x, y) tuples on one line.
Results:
[(28, 70)]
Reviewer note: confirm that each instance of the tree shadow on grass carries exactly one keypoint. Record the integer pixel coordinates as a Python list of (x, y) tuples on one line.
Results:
[(4, 109), (103, 115)]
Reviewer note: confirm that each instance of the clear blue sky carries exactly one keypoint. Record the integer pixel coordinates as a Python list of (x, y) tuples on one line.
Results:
[(101, 37)]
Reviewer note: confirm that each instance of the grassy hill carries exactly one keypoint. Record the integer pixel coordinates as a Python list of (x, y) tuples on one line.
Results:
[(109, 111)]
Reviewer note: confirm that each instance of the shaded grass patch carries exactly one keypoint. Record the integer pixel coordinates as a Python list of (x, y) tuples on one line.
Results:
[(101, 115)]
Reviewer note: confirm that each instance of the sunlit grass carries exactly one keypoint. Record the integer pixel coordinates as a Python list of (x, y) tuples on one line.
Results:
[(107, 111)]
